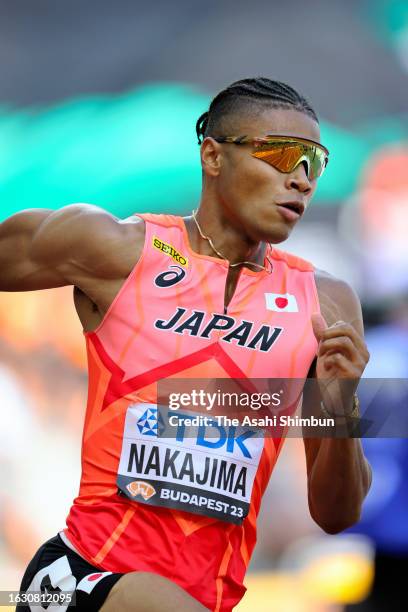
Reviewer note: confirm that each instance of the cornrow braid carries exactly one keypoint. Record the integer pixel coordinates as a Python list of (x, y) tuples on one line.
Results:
[(201, 126), (258, 91)]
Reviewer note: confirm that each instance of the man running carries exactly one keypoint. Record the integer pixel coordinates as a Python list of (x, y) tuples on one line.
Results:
[(157, 524)]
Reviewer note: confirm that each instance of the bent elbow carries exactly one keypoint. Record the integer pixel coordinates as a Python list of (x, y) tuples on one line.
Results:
[(333, 525), (334, 528)]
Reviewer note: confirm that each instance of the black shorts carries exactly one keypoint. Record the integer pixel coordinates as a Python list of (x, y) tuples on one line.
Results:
[(54, 568)]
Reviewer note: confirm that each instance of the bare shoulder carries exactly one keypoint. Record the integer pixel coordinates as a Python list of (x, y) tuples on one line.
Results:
[(84, 238), (338, 300)]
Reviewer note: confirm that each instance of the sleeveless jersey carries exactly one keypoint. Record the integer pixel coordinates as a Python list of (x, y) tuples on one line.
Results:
[(185, 508)]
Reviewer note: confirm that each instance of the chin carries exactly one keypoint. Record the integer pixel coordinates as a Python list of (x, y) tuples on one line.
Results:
[(276, 234)]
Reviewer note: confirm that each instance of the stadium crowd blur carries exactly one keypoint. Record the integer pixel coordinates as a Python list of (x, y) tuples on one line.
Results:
[(358, 234)]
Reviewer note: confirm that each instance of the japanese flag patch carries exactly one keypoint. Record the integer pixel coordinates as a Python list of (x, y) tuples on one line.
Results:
[(281, 302), (88, 582)]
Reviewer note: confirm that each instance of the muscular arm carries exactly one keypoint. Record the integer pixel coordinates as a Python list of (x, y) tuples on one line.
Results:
[(76, 245), (18, 269), (339, 475)]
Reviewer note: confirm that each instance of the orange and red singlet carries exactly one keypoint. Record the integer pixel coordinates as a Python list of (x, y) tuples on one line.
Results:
[(185, 508)]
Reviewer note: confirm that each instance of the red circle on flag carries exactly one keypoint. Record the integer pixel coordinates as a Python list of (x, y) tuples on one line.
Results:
[(281, 302), (94, 576)]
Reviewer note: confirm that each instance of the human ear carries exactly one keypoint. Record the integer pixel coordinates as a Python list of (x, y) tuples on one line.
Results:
[(210, 156)]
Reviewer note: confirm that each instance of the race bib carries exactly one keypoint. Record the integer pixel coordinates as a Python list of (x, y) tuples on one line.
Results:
[(207, 469)]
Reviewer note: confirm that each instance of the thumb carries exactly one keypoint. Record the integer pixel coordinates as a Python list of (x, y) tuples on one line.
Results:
[(318, 324)]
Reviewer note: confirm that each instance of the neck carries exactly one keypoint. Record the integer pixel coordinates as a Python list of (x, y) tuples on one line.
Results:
[(229, 240)]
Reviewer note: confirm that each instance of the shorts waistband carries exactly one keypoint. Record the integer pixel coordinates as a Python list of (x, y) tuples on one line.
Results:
[(68, 543)]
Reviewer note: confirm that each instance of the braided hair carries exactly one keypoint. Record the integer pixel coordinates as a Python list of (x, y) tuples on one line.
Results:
[(247, 93)]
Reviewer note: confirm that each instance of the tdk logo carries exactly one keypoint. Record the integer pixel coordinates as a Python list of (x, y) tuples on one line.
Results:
[(215, 436)]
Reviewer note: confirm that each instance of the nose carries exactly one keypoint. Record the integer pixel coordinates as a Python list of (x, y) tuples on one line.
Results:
[(299, 180)]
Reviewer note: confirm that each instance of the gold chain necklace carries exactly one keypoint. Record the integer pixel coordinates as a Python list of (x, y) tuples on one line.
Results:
[(231, 265)]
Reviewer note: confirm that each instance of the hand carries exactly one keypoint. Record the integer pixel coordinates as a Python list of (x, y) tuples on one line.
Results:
[(342, 354)]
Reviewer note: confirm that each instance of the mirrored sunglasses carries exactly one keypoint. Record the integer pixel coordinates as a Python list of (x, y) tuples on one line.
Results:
[(285, 153)]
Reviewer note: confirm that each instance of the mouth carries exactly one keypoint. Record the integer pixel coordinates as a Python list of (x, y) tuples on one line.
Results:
[(296, 206)]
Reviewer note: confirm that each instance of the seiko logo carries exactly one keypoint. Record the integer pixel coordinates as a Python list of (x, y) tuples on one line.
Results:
[(243, 333), (169, 250)]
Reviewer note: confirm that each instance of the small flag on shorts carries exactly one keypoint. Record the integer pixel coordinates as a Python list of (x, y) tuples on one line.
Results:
[(281, 302)]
